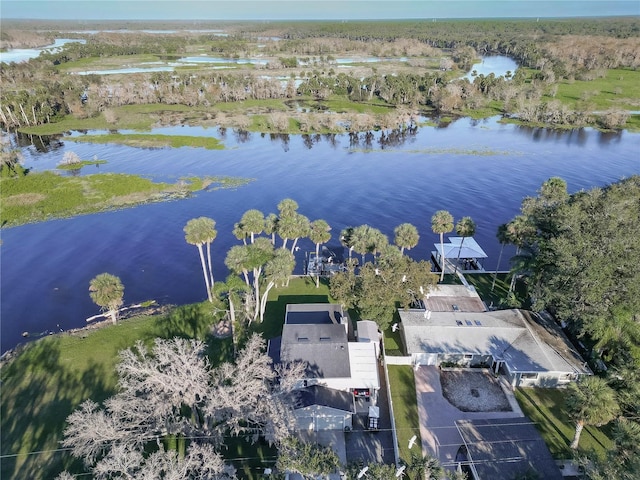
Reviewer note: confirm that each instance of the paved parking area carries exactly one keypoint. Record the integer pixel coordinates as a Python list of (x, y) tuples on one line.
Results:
[(367, 446), (440, 436)]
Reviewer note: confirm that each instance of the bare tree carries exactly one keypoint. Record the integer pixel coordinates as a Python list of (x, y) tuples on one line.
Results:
[(172, 390)]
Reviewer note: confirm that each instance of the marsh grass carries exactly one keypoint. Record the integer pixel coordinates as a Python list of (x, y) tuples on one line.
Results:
[(79, 165), (151, 140), (45, 195)]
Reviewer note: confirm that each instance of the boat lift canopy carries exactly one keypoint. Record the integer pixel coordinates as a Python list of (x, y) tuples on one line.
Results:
[(470, 248)]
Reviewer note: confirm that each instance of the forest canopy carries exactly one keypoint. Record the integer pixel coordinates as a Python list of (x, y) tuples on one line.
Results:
[(580, 255)]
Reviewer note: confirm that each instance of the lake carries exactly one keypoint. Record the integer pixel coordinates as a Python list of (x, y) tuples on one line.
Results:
[(497, 64), (18, 55), (478, 168)]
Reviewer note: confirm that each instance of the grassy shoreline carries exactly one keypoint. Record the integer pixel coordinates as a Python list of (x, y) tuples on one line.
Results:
[(37, 197), (48, 378)]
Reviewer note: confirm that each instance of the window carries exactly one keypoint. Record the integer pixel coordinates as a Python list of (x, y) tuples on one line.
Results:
[(468, 356), (303, 339), (529, 376)]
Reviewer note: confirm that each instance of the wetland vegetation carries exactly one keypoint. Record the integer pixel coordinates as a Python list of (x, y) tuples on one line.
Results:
[(280, 77)]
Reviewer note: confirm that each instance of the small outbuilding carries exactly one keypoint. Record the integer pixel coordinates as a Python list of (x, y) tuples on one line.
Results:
[(320, 408)]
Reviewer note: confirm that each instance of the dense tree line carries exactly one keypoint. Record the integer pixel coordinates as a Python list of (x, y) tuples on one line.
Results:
[(578, 255)]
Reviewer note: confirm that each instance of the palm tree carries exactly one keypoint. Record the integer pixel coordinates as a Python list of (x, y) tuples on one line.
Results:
[(441, 223), (346, 239), (198, 232), (406, 236), (107, 292), (288, 222), (259, 254), (253, 222), (425, 467), (590, 401), (503, 238), (518, 232), (229, 291), (271, 226), (300, 227), (237, 261), (362, 239), (277, 270), (320, 233), (464, 228)]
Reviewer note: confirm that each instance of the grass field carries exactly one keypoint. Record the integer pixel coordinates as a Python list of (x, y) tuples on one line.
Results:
[(619, 88), (545, 406)]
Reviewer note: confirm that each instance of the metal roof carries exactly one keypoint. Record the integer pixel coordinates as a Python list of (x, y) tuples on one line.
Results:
[(470, 248)]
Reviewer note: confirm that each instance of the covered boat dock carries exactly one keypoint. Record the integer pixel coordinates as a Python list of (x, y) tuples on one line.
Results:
[(460, 254)]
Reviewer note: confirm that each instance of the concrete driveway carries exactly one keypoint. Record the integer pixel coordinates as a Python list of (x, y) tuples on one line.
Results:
[(440, 436)]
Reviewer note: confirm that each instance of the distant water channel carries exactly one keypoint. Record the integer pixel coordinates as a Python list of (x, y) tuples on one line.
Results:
[(478, 168), (18, 55)]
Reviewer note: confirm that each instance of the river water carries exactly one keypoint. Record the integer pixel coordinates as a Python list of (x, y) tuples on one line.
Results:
[(478, 168)]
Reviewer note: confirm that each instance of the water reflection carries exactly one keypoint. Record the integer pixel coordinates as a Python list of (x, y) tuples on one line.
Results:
[(606, 138), (482, 170), (41, 143), (499, 65)]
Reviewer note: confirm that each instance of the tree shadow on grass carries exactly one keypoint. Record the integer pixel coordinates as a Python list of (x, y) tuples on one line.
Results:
[(39, 391), (558, 442), (187, 321)]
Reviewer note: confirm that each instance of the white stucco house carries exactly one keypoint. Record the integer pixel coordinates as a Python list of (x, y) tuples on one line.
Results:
[(455, 328)]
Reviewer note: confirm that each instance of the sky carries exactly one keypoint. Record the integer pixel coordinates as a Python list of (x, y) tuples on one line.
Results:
[(309, 9)]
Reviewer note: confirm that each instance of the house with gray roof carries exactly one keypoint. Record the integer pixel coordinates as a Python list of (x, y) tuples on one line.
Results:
[(531, 350), (321, 336), (321, 408)]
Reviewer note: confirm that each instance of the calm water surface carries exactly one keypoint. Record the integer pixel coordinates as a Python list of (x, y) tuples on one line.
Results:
[(497, 64), (476, 168), (18, 55)]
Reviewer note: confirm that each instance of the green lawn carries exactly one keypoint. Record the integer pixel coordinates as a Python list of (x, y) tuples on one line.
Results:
[(300, 290), (545, 406), (405, 407), (52, 376), (44, 384)]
